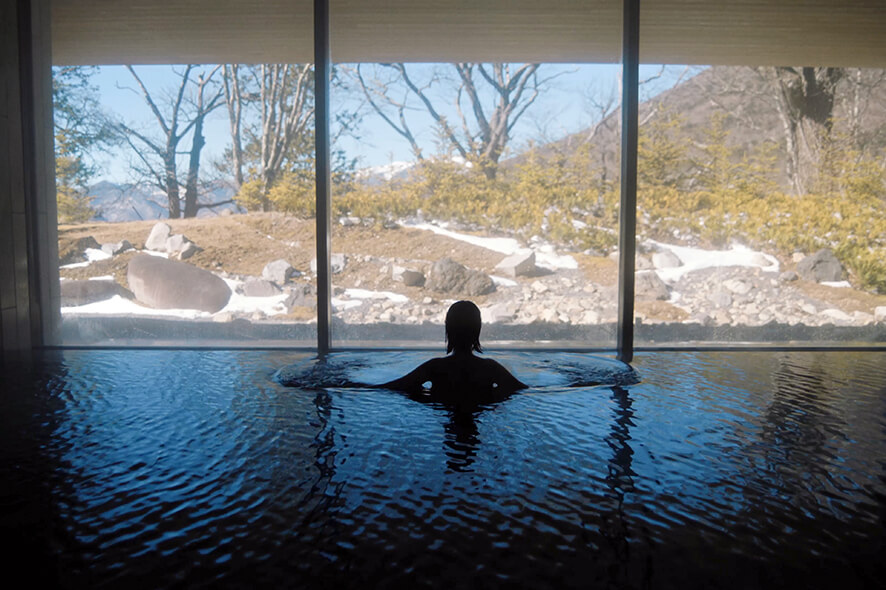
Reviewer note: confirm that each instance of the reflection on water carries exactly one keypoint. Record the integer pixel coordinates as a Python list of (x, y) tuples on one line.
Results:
[(174, 468)]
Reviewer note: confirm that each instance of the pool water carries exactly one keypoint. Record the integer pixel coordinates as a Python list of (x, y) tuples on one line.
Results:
[(251, 469)]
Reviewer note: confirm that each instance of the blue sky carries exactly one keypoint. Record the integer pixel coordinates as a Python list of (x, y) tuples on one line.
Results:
[(565, 107)]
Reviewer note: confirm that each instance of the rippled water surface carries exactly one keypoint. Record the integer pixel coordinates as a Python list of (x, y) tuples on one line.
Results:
[(195, 468)]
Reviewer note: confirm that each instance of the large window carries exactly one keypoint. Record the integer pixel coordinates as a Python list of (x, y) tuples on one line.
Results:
[(761, 207)]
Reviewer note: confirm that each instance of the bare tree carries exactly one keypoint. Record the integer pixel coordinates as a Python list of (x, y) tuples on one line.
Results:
[(282, 95), (184, 114), (487, 99)]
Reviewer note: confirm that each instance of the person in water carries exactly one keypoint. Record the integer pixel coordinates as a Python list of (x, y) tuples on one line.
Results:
[(460, 372)]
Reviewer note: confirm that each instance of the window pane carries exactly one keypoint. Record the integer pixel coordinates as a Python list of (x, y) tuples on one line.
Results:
[(186, 204), (492, 182), (761, 207)]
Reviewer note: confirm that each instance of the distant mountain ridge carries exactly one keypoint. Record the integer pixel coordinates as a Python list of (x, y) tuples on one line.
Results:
[(132, 202)]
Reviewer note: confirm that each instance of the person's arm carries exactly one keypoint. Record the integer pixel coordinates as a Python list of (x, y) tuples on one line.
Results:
[(412, 381), (504, 379)]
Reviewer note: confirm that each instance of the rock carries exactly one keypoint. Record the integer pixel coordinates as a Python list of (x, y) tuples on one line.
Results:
[(254, 287), (837, 315), (738, 286), (116, 248), (821, 267), (589, 317), (349, 221), (158, 236), (337, 263), (74, 293), (797, 256), (648, 285), (407, 276), (517, 265), (76, 252), (448, 276), (223, 317), (640, 263), (760, 260), (167, 284), (880, 313), (278, 271), (666, 259), (189, 250), (301, 296), (788, 276), (721, 298), (538, 287)]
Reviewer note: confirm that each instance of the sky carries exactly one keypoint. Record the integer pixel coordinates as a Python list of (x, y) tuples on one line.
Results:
[(566, 106)]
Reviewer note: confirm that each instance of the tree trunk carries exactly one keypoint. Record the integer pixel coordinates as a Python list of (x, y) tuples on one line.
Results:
[(194, 170), (172, 187)]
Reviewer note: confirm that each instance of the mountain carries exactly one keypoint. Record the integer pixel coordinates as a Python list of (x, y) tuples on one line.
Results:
[(131, 202)]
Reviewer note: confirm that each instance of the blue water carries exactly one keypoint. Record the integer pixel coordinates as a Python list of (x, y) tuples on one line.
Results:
[(202, 469)]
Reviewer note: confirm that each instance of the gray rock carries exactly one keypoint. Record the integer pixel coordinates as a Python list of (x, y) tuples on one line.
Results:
[(254, 287), (648, 285), (189, 250), (666, 259), (176, 244), (517, 265), (74, 293), (167, 284), (407, 276), (76, 252), (116, 248), (788, 276), (448, 276), (640, 263), (738, 286), (721, 298), (278, 271), (158, 236), (301, 295), (821, 267), (337, 263)]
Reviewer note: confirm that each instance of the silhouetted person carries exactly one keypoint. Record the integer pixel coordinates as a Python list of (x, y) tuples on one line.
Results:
[(460, 374)]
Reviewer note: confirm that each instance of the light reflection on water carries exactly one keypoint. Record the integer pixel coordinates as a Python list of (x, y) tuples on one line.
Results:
[(198, 468)]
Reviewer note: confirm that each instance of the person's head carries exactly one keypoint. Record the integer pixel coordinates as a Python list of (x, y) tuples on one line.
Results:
[(463, 327)]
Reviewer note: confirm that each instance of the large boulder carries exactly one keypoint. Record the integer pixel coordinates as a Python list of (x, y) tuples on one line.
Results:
[(74, 293), (254, 287), (181, 247), (821, 267), (448, 276), (666, 259), (518, 264), (648, 285), (76, 250), (167, 284), (279, 271), (158, 236)]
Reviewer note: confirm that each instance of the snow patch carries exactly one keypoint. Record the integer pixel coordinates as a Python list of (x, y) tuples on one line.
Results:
[(697, 259)]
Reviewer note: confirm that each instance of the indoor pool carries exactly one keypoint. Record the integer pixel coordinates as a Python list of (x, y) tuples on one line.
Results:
[(202, 469)]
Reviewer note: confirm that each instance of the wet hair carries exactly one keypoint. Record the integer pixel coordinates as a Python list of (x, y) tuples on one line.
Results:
[(463, 327)]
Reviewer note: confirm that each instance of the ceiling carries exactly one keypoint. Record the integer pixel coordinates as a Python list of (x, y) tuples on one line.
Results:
[(738, 32)]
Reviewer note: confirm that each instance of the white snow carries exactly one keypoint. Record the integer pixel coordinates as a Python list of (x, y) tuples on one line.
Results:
[(355, 298), (697, 259), (273, 305), (545, 256), (837, 284), (503, 281), (92, 255), (120, 306)]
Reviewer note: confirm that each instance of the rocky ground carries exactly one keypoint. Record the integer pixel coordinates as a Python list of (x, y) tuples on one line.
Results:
[(387, 275)]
